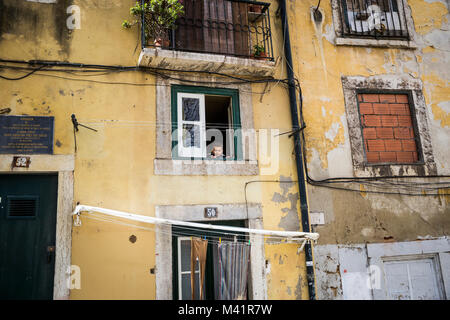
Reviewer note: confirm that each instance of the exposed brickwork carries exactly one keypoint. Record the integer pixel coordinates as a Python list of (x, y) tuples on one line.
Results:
[(388, 131)]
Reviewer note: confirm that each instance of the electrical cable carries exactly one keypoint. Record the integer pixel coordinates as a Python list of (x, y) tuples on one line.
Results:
[(152, 70), (96, 68), (368, 180), (23, 77)]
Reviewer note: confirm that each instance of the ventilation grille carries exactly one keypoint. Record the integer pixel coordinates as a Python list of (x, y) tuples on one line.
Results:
[(22, 206)]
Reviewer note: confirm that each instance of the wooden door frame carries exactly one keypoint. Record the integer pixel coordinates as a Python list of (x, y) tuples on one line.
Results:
[(63, 165)]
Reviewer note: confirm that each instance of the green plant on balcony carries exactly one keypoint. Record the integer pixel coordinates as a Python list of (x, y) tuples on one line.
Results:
[(259, 52), (159, 17)]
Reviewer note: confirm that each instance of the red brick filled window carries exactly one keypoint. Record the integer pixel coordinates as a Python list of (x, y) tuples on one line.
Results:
[(388, 130)]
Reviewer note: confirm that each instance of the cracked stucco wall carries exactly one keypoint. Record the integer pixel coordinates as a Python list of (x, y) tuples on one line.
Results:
[(355, 271), (320, 64), (282, 258)]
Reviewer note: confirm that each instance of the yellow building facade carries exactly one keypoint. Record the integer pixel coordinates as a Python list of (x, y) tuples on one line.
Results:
[(77, 59)]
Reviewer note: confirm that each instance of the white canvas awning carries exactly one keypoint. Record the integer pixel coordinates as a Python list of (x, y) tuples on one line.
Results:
[(289, 235)]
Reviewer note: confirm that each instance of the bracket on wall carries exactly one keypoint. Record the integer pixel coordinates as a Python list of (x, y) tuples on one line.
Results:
[(77, 221), (75, 128), (292, 132)]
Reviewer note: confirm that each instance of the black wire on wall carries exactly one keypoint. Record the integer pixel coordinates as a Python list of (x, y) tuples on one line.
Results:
[(412, 188)]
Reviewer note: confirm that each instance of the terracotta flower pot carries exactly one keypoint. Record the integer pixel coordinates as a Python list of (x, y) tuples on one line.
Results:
[(165, 43), (255, 8), (261, 56)]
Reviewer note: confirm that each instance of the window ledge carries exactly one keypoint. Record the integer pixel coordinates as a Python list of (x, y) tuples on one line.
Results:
[(205, 167), (392, 169), (381, 43), (190, 61)]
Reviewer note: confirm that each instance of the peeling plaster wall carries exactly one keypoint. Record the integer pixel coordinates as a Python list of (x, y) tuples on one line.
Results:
[(357, 271), (352, 217), (321, 61)]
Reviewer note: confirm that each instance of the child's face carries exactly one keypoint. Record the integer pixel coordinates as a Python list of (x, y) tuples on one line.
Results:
[(217, 151)]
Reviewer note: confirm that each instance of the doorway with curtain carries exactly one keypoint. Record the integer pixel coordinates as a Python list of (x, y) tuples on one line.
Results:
[(224, 273)]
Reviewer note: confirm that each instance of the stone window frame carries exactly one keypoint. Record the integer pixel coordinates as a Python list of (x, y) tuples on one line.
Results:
[(165, 164), (336, 9), (389, 84)]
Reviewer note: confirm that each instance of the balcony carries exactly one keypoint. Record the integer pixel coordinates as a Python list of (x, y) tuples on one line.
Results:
[(227, 36)]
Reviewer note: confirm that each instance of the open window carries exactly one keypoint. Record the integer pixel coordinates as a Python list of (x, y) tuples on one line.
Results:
[(206, 123)]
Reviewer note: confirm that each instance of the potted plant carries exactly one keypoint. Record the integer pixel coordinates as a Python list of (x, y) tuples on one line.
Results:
[(159, 18), (255, 8), (259, 52)]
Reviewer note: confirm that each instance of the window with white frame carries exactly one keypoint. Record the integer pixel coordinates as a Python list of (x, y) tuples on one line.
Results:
[(191, 125), (228, 109), (184, 270), (205, 123)]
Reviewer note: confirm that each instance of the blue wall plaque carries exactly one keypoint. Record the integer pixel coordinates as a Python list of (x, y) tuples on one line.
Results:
[(26, 134)]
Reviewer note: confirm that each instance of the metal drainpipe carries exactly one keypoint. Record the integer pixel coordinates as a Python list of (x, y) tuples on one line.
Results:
[(298, 150)]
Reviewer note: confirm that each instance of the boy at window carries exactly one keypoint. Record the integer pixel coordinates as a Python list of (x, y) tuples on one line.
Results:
[(217, 152)]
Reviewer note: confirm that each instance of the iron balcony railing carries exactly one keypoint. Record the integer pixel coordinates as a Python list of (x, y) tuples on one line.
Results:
[(374, 19), (238, 28)]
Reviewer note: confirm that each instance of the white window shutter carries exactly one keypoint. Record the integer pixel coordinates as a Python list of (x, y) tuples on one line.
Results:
[(191, 135)]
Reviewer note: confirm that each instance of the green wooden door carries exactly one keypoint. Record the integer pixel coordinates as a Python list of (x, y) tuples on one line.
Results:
[(27, 235)]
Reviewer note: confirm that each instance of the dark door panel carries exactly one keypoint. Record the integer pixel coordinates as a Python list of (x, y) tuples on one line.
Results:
[(27, 235)]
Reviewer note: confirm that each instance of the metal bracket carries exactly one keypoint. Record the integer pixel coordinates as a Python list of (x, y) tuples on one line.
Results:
[(77, 222), (302, 246)]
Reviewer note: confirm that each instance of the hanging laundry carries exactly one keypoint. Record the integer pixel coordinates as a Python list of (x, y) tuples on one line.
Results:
[(233, 266), (198, 252)]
